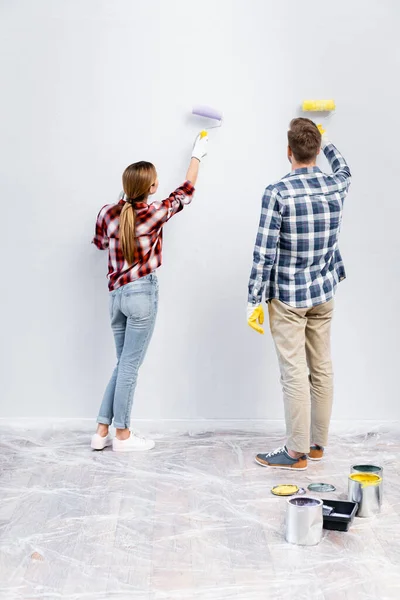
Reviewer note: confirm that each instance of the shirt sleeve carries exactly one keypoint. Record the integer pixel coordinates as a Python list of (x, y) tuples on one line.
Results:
[(100, 239), (339, 166), (176, 201), (266, 243)]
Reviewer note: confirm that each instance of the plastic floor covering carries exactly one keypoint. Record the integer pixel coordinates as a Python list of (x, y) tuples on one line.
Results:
[(193, 519)]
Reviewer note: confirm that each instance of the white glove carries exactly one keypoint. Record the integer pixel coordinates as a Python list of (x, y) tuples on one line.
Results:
[(200, 147)]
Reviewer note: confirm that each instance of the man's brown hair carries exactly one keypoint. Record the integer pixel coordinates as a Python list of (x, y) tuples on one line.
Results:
[(304, 139)]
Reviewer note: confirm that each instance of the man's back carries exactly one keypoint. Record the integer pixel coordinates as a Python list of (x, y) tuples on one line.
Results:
[(296, 256)]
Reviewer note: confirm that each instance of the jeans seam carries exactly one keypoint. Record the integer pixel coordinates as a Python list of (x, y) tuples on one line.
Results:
[(129, 404)]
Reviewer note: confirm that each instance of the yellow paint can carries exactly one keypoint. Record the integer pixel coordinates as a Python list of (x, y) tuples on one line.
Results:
[(366, 490), (366, 479)]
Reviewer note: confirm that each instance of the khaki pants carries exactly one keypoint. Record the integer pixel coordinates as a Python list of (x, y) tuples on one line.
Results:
[(302, 341)]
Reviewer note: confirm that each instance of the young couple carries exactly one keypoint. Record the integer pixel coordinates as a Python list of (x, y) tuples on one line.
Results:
[(296, 263)]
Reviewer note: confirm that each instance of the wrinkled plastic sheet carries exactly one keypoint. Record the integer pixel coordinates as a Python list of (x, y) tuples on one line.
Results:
[(195, 518)]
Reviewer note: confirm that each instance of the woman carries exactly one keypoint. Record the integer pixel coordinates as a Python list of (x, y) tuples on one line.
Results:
[(131, 230)]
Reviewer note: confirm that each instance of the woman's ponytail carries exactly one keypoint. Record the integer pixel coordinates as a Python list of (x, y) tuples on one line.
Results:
[(137, 180), (127, 232)]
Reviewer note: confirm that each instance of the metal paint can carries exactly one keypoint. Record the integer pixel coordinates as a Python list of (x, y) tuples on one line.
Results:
[(366, 490), (376, 469), (304, 521)]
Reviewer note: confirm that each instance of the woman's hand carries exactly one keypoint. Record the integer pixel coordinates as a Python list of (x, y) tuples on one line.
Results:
[(200, 146), (198, 153)]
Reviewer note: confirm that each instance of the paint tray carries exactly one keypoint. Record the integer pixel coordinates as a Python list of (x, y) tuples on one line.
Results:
[(342, 515)]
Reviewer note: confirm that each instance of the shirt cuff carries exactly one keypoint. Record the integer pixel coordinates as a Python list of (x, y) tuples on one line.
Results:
[(325, 145), (188, 188)]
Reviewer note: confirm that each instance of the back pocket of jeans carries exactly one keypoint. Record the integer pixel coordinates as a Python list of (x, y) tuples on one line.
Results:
[(137, 303)]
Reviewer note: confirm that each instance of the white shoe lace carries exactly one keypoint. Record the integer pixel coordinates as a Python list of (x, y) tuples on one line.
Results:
[(137, 435), (140, 439), (277, 451)]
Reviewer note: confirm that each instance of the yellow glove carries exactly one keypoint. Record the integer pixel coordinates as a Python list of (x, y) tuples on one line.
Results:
[(255, 317)]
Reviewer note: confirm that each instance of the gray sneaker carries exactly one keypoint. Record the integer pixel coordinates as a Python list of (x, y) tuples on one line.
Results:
[(280, 459)]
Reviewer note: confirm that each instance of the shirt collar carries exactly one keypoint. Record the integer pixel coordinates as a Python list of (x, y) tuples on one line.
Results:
[(302, 170), (137, 205)]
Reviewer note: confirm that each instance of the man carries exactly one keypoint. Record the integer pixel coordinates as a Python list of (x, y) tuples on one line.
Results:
[(298, 264)]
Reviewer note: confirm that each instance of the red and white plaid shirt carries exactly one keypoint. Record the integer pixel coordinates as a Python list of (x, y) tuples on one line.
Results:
[(150, 219)]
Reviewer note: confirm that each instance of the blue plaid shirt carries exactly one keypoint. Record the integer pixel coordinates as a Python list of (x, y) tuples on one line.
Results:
[(296, 255)]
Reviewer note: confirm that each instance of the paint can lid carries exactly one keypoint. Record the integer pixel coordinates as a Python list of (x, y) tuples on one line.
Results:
[(321, 487), (285, 489)]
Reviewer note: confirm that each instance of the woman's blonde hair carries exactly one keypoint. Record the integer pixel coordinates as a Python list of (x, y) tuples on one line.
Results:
[(137, 180)]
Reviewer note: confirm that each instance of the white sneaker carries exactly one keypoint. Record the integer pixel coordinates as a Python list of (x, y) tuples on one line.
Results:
[(99, 442), (134, 443)]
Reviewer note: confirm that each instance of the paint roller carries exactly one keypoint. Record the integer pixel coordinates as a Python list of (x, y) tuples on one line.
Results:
[(319, 106), (208, 113)]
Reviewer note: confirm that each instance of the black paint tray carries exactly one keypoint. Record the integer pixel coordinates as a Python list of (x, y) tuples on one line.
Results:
[(342, 516)]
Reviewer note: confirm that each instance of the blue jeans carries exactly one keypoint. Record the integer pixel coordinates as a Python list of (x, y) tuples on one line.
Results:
[(133, 310)]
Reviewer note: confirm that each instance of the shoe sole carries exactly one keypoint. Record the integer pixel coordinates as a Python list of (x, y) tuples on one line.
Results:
[(314, 459), (132, 449), (98, 448), (280, 467)]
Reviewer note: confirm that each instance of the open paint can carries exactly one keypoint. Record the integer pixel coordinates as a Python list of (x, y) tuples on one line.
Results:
[(377, 470), (304, 521), (366, 490)]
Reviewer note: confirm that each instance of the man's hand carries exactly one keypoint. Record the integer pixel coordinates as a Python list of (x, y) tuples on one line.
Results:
[(324, 136), (255, 317)]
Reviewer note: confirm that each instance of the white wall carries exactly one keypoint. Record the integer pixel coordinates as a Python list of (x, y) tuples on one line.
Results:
[(89, 86)]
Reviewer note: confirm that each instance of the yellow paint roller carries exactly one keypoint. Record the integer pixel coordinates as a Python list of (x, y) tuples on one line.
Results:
[(318, 105)]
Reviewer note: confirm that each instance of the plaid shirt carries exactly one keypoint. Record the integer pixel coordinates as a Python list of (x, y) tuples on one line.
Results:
[(150, 219), (296, 255)]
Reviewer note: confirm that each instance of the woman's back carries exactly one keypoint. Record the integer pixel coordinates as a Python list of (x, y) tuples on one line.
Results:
[(149, 221)]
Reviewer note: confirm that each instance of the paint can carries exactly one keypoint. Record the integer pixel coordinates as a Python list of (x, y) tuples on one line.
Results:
[(366, 490), (304, 521), (376, 469)]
